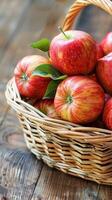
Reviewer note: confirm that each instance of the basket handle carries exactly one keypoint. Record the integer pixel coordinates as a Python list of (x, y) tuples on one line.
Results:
[(106, 5)]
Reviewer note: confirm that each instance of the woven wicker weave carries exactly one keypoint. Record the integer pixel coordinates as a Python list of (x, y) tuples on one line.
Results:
[(81, 151)]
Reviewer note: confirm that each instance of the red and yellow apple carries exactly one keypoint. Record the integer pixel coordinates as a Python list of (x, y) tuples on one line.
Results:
[(107, 43), (73, 52), (79, 99), (104, 72), (107, 97), (107, 114), (29, 85), (100, 52), (47, 107), (97, 123), (93, 77)]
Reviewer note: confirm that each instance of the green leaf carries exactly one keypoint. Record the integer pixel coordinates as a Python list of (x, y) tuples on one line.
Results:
[(51, 89), (42, 44), (47, 70), (62, 77)]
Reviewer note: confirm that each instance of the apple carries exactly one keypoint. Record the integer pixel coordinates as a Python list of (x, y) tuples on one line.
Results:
[(29, 85), (107, 97), (97, 123), (107, 114), (107, 43), (93, 77), (47, 107), (73, 52), (100, 52), (30, 101), (79, 99), (104, 72)]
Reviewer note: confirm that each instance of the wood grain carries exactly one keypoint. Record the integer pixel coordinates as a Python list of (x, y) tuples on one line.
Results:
[(34, 25), (19, 169), (3, 106), (19, 172), (55, 185), (10, 16)]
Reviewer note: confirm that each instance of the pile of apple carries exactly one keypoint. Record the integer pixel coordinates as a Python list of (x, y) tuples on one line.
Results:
[(74, 82)]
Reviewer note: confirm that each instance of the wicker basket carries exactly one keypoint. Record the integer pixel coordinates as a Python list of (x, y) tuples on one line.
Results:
[(81, 151)]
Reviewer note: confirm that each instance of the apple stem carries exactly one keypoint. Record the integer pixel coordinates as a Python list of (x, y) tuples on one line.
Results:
[(24, 77), (61, 30)]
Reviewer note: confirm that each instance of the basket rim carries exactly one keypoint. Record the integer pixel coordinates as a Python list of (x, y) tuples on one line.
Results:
[(65, 128), (78, 5)]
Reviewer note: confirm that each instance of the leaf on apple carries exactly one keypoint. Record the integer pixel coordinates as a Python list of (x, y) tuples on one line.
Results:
[(47, 70), (51, 89), (42, 44)]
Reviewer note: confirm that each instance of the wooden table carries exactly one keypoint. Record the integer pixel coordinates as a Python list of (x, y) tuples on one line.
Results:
[(22, 176)]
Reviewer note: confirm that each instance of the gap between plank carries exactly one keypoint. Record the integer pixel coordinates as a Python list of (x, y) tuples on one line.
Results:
[(30, 198)]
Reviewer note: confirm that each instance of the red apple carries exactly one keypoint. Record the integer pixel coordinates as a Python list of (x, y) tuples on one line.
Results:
[(47, 107), (107, 114), (79, 99), (107, 97), (104, 72), (100, 52), (27, 84), (93, 77), (73, 52), (107, 43), (97, 123), (30, 101)]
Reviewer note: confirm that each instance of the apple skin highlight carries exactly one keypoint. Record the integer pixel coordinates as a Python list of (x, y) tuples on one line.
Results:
[(106, 43), (104, 72), (107, 114), (75, 55), (79, 100), (27, 84), (47, 107)]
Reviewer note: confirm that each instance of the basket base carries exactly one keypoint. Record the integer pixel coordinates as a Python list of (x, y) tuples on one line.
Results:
[(63, 167)]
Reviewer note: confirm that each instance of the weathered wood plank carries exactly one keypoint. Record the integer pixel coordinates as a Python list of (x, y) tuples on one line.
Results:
[(105, 193), (53, 184), (10, 16), (35, 25), (19, 172), (19, 169), (10, 131), (3, 104)]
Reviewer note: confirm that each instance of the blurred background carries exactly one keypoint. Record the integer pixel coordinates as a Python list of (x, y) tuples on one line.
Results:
[(24, 21)]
